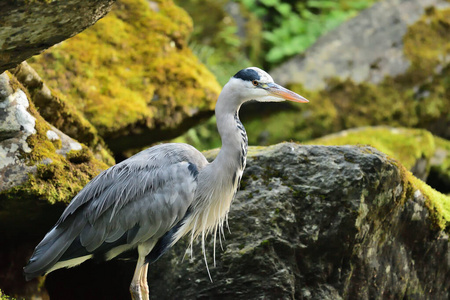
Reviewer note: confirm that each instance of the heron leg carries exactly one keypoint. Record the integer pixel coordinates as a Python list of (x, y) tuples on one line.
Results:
[(144, 282), (135, 286)]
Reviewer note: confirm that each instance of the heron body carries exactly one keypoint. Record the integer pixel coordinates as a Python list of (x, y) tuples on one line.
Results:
[(146, 203)]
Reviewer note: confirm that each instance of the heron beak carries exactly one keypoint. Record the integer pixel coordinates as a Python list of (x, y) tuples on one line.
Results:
[(281, 92)]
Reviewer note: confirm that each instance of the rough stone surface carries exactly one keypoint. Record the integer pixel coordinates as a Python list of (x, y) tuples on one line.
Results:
[(425, 155), (29, 27), (364, 49), (310, 222), (16, 124)]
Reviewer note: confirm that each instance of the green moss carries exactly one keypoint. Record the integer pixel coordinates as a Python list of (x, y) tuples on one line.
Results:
[(419, 98), (38, 1), (265, 243), (66, 117), (427, 41), (131, 68), (405, 145), (57, 111), (5, 297), (438, 204), (80, 156)]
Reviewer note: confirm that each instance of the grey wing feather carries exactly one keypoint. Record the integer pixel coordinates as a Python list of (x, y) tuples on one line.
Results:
[(143, 197)]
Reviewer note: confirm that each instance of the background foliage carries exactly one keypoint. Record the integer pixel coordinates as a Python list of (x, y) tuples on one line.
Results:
[(290, 27)]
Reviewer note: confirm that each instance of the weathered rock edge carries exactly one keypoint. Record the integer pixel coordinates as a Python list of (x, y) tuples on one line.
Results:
[(310, 222), (29, 27)]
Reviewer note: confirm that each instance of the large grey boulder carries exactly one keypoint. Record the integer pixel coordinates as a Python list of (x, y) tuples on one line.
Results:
[(310, 222), (29, 27), (315, 222)]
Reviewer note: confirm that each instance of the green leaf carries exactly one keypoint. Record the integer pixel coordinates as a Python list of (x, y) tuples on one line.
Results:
[(322, 4), (270, 3), (284, 9)]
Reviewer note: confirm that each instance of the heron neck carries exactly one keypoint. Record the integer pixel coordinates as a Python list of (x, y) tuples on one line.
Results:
[(232, 155)]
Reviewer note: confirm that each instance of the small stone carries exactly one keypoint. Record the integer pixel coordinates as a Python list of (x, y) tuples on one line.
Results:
[(52, 136), (75, 146)]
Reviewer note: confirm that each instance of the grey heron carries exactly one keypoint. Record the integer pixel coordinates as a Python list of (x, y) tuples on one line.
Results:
[(147, 202)]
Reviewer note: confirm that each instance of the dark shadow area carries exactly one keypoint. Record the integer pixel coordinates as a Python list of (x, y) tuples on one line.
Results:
[(91, 280)]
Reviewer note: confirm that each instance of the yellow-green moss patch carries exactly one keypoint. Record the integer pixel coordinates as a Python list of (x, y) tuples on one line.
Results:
[(437, 203), (131, 69), (56, 110), (5, 297)]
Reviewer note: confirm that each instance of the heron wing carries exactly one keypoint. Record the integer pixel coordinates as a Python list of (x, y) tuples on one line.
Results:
[(138, 199), (144, 203)]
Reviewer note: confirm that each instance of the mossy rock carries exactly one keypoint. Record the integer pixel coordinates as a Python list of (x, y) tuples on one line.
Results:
[(363, 74), (132, 75), (425, 155), (56, 110), (5, 297), (410, 147), (55, 167), (338, 228)]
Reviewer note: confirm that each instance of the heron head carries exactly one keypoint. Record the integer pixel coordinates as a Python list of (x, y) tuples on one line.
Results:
[(255, 84)]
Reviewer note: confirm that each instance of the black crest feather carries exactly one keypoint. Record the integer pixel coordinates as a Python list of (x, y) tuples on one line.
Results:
[(247, 74)]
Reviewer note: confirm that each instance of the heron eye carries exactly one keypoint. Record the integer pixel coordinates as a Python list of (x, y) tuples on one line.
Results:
[(255, 83)]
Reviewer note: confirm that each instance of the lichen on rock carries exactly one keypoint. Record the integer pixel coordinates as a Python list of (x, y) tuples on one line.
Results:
[(16, 125), (39, 163), (57, 111)]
